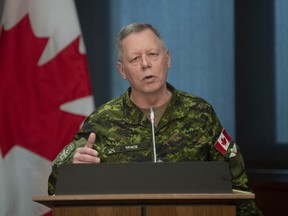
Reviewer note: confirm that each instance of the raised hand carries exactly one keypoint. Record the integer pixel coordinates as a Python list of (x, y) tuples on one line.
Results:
[(87, 154)]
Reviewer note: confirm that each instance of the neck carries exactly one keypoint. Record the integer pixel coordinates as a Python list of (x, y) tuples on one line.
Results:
[(146, 101)]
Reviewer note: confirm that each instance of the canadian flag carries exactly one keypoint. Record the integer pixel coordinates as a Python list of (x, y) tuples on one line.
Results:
[(223, 142), (45, 95)]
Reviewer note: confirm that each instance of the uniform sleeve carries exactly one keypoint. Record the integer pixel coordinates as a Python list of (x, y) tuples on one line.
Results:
[(235, 159), (66, 154), (64, 157), (238, 173), (240, 179)]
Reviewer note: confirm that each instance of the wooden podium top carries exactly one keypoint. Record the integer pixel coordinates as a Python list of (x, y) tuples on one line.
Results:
[(143, 199)]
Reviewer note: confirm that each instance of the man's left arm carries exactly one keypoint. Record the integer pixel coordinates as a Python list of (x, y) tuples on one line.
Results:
[(238, 173)]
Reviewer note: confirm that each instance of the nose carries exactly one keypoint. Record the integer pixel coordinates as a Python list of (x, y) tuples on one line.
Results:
[(145, 62)]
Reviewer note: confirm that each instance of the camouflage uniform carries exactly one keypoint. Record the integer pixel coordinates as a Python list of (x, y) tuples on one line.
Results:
[(187, 132)]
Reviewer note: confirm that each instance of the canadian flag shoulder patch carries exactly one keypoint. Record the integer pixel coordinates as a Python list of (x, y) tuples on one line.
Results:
[(223, 142)]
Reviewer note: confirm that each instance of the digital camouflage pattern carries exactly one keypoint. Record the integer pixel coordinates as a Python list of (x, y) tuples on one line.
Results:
[(187, 132)]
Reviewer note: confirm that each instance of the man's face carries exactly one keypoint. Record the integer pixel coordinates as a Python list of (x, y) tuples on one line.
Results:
[(145, 62)]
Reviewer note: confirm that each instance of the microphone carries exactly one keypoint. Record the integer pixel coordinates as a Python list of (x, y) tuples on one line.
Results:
[(152, 118)]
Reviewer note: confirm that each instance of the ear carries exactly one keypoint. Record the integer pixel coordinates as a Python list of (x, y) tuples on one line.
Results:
[(121, 70), (168, 58)]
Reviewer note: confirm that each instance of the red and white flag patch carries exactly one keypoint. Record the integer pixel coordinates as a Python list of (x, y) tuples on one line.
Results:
[(223, 142)]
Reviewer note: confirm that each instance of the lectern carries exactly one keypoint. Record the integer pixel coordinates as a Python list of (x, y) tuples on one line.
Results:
[(145, 189)]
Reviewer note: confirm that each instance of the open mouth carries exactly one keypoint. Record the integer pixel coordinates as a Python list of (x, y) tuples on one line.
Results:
[(148, 77)]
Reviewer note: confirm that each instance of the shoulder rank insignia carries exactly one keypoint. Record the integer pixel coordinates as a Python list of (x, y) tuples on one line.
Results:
[(233, 151)]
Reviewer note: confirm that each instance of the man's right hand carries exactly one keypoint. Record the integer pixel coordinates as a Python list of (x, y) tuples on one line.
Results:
[(87, 154)]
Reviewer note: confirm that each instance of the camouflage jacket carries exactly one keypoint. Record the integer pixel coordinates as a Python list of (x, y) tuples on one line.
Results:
[(187, 131)]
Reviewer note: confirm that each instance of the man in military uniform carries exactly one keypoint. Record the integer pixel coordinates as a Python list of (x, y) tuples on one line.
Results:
[(186, 126)]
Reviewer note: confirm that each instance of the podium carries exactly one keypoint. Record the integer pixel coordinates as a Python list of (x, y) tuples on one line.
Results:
[(144, 189), (144, 204)]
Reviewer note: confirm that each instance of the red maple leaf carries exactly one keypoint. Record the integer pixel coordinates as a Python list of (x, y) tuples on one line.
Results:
[(223, 141), (30, 95)]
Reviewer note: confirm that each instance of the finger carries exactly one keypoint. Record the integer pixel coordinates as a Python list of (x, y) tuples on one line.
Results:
[(91, 140), (86, 159), (86, 155), (87, 151)]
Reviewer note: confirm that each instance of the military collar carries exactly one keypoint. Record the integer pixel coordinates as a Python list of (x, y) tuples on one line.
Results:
[(133, 114)]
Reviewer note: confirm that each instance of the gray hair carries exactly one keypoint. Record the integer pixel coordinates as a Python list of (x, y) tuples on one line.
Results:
[(134, 28)]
